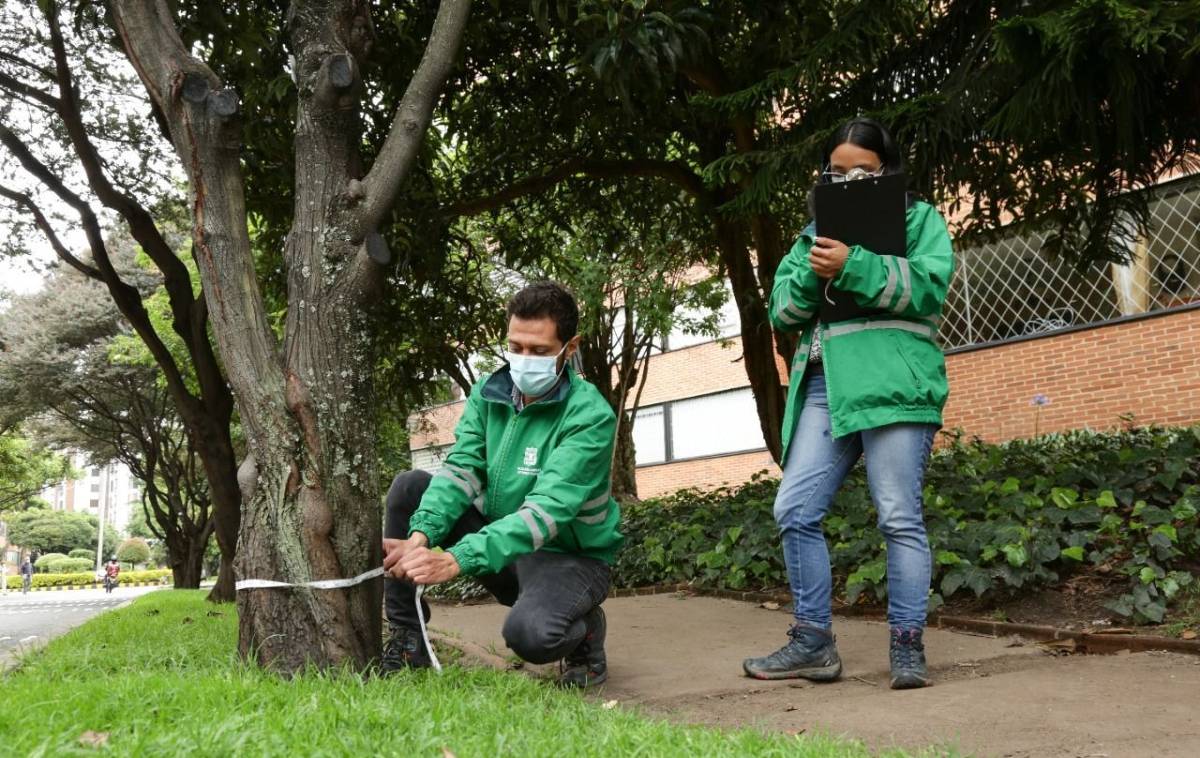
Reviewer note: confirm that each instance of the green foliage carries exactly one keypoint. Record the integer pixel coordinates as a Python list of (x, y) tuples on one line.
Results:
[(87, 579), (56, 531), (43, 563), (84, 553), (133, 550), (151, 675), (25, 470), (68, 565), (1001, 519)]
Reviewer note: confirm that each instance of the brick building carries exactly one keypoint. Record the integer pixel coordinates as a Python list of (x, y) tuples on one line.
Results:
[(1032, 345)]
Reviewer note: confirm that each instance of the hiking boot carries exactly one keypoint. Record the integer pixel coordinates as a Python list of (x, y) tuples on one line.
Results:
[(586, 665), (908, 660), (404, 650), (811, 654)]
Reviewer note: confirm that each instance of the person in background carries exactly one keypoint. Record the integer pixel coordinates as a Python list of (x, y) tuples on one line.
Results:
[(112, 572), (872, 386), (26, 576)]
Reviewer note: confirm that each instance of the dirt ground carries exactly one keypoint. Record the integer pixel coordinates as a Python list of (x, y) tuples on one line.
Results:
[(679, 657)]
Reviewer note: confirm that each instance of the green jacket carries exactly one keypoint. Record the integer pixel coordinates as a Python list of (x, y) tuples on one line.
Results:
[(541, 477), (883, 369)]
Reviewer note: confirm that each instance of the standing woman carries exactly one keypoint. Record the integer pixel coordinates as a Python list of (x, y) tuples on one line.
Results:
[(874, 385)]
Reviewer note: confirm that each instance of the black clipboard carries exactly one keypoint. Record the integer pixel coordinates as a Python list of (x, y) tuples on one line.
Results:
[(867, 212)]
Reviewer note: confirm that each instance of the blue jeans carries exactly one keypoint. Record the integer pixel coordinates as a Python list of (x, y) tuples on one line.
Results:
[(816, 465)]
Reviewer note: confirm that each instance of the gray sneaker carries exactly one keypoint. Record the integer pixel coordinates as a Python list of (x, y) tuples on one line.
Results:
[(811, 654), (587, 665), (908, 660)]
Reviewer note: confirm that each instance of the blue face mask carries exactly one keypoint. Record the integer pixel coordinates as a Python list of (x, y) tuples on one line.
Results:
[(534, 375)]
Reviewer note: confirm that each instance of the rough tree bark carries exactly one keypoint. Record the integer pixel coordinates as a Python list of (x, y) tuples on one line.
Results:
[(310, 492)]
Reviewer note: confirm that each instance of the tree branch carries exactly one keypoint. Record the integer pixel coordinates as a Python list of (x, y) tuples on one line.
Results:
[(201, 116), (22, 199), (676, 172), (176, 279), (126, 297), (412, 117), (21, 88)]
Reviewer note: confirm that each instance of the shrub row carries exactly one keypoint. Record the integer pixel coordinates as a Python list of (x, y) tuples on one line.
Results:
[(1001, 518), (89, 578)]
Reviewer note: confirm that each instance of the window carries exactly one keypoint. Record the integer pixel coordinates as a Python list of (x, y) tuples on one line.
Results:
[(95, 471), (1011, 288), (649, 435), (723, 423), (718, 424), (95, 486), (94, 504)]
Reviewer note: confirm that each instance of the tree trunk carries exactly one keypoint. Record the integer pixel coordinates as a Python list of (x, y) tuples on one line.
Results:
[(308, 483), (624, 469), (215, 449), (758, 347), (187, 561)]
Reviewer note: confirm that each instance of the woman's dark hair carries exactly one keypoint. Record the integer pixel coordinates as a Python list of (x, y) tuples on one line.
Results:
[(869, 134), (547, 300)]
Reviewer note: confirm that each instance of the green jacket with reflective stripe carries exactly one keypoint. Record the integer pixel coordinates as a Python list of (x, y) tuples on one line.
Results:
[(541, 477), (885, 368)]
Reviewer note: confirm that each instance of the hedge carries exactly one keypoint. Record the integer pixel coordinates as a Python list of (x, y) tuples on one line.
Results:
[(89, 578), (1002, 518)]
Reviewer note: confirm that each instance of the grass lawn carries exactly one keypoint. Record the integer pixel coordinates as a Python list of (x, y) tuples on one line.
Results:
[(161, 677)]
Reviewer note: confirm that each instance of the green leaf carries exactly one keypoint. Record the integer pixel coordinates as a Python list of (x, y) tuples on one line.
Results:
[(948, 558), (1106, 500), (1016, 555), (1074, 553), (1064, 497), (1146, 575)]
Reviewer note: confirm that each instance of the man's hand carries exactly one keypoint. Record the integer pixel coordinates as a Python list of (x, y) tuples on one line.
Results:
[(394, 550), (827, 257), (425, 566)]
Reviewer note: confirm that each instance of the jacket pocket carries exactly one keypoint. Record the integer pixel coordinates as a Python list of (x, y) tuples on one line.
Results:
[(916, 376)]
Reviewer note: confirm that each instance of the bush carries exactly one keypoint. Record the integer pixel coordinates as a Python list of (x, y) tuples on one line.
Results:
[(84, 553), (43, 563), (69, 565), (89, 578), (133, 550), (1001, 518)]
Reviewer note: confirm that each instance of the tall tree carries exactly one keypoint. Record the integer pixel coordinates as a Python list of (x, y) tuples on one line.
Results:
[(64, 76), (309, 483), (59, 376), (1047, 112)]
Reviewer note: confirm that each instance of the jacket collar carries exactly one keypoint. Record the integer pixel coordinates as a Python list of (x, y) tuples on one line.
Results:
[(498, 388)]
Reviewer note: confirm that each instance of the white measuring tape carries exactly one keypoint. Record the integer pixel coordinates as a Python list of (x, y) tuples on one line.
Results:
[(335, 584)]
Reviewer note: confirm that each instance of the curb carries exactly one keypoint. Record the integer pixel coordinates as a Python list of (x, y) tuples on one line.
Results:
[(92, 586), (1101, 642)]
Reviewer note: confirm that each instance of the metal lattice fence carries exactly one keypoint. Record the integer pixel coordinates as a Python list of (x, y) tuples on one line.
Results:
[(1008, 289)]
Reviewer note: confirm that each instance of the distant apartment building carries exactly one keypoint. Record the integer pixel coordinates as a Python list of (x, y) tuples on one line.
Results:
[(111, 489), (1095, 346)]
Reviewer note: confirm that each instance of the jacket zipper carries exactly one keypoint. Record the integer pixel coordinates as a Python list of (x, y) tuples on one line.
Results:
[(505, 444)]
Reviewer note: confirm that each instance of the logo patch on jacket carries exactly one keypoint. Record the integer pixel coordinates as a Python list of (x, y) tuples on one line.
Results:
[(529, 465)]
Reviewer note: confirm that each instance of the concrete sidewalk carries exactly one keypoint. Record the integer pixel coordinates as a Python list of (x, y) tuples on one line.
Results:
[(680, 657)]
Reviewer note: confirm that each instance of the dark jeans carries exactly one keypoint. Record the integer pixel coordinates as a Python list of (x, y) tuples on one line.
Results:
[(549, 593)]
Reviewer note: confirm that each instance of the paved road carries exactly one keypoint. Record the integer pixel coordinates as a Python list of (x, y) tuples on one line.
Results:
[(30, 620)]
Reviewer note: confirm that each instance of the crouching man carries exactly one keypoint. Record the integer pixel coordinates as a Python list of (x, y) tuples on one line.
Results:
[(523, 503)]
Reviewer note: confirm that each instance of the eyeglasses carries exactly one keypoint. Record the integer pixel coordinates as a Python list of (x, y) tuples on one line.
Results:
[(854, 174)]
